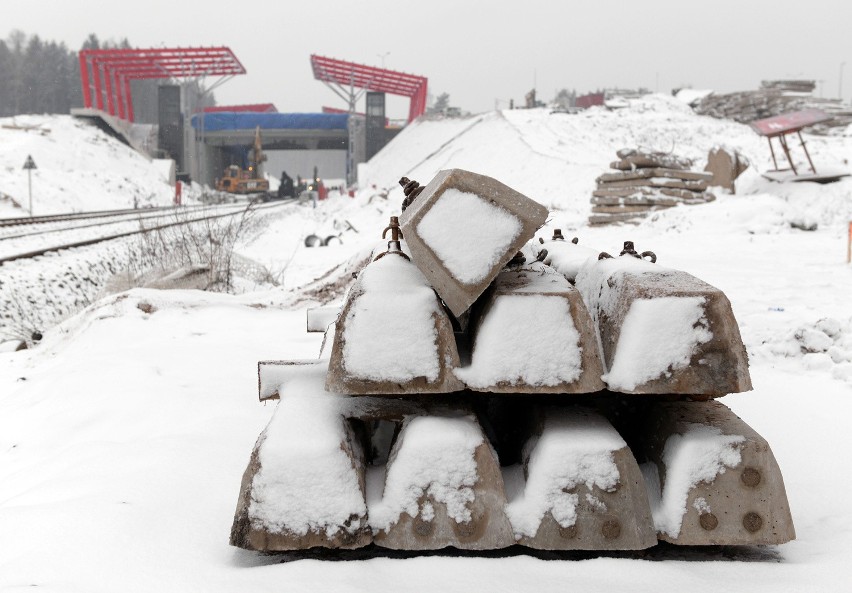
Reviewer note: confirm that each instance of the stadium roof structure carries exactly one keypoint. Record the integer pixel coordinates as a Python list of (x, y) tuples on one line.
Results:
[(105, 74), (344, 77)]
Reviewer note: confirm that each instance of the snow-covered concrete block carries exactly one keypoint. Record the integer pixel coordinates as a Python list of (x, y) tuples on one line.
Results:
[(392, 335), (663, 330), (463, 228), (441, 487), (637, 174), (304, 486), (712, 479), (533, 335), (579, 488), (566, 257), (274, 375)]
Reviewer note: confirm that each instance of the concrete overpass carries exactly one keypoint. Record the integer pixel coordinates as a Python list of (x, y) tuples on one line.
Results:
[(223, 138)]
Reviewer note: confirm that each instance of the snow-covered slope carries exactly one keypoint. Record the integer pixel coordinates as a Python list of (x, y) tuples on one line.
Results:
[(79, 168), (554, 158)]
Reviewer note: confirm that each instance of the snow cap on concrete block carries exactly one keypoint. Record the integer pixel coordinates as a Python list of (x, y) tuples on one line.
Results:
[(304, 486), (579, 487), (392, 335), (711, 478), (553, 347), (663, 330), (442, 487), (463, 228)]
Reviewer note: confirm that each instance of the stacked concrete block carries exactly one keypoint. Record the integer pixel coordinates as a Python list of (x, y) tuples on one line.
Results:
[(392, 335), (463, 228), (775, 98), (303, 443), (663, 331), (645, 182), (717, 480), (587, 486), (557, 348), (561, 331), (445, 487)]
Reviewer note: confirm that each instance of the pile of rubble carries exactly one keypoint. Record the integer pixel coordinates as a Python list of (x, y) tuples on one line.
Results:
[(644, 182), (775, 97)]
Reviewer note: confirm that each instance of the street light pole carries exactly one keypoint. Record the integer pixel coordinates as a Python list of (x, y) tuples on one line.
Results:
[(29, 165), (840, 82), (383, 56)]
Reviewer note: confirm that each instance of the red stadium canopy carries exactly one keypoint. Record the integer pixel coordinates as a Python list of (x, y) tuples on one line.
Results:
[(108, 72), (350, 75)]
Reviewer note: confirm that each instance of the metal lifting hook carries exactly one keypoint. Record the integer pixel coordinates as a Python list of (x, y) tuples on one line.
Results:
[(394, 245)]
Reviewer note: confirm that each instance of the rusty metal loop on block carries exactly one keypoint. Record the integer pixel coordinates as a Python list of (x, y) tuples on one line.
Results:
[(541, 255), (604, 255), (575, 240), (629, 249), (411, 189), (393, 227), (394, 245)]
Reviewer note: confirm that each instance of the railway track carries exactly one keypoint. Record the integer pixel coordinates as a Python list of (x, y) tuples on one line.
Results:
[(72, 224), (25, 220), (193, 216)]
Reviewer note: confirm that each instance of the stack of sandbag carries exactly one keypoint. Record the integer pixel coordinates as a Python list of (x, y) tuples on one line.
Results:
[(643, 182)]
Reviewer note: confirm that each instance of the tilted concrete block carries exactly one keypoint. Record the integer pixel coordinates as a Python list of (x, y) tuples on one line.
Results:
[(463, 228)]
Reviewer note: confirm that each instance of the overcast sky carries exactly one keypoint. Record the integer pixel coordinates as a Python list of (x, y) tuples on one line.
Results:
[(481, 53)]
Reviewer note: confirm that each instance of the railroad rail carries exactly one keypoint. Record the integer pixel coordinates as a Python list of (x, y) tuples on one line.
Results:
[(96, 221), (21, 220), (111, 237)]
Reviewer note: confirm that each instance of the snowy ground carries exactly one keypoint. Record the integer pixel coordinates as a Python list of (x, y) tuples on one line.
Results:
[(100, 173), (124, 435)]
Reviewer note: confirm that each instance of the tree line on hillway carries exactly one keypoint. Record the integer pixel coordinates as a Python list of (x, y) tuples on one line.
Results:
[(41, 76)]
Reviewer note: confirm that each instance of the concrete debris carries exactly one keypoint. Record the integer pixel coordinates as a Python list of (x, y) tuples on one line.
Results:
[(644, 182), (725, 166), (775, 98), (631, 158)]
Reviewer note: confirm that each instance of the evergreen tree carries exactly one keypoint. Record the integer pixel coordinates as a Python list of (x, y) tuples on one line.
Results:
[(44, 77)]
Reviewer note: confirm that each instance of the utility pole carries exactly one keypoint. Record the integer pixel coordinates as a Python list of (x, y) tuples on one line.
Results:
[(840, 82), (29, 165)]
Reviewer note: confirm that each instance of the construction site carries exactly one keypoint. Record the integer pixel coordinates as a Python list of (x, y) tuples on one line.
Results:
[(602, 341)]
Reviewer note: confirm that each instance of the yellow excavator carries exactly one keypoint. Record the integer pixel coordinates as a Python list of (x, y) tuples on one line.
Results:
[(236, 180)]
